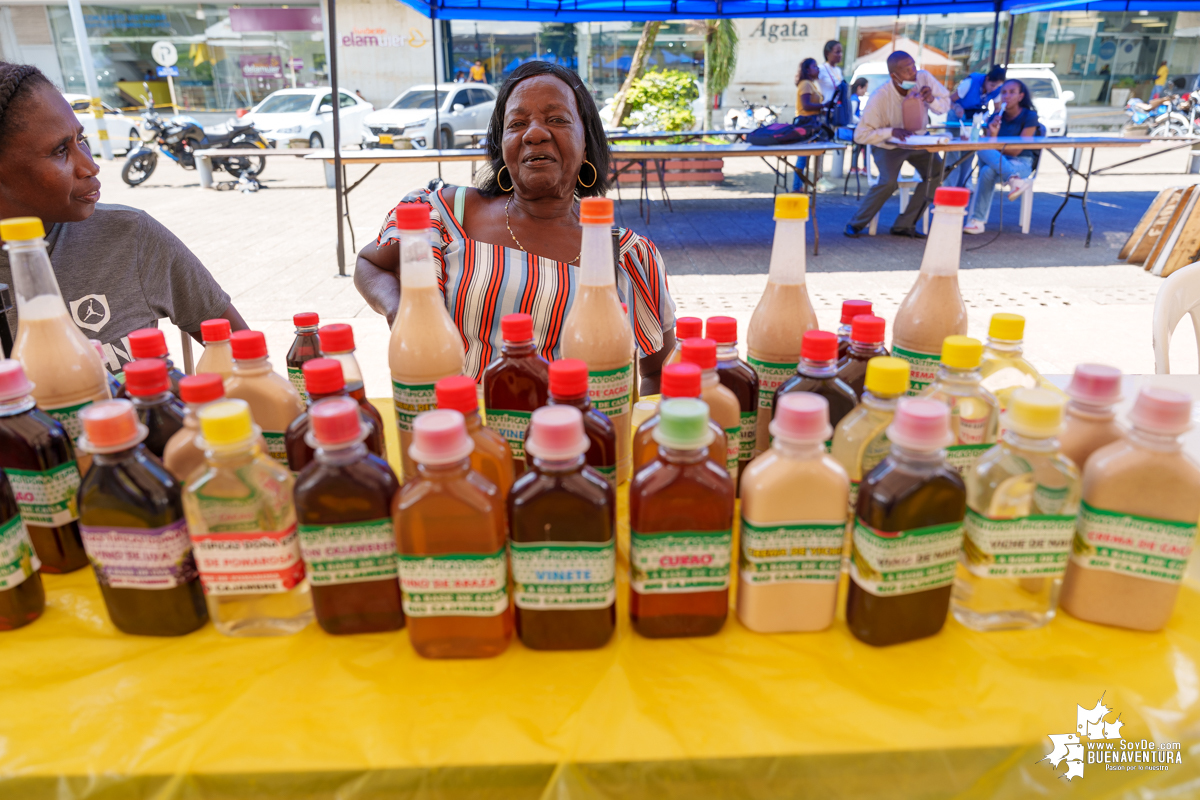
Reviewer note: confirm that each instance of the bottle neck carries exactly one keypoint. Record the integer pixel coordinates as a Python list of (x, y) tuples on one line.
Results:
[(251, 366), (119, 457), (1031, 444), (235, 455), (559, 466), (918, 459), (682, 456), (17, 405), (709, 378), (1010, 347), (880, 402), (865, 348), (32, 275), (1083, 411), (417, 269), (472, 419), (1159, 442), (339, 393), (944, 246), (787, 253), (151, 400), (596, 257), (583, 402), (341, 455), (959, 376), (817, 369), (518, 349), (799, 449), (443, 472), (727, 351), (307, 331)]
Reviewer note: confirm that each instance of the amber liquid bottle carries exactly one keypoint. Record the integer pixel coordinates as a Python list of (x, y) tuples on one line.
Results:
[(151, 343), (343, 509), (323, 378), (569, 387), (161, 412), (845, 331), (740, 378), (515, 384), (866, 342), (305, 347), (818, 373), (22, 598)]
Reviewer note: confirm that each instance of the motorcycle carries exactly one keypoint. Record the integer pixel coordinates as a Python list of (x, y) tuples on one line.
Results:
[(750, 116), (1166, 116)]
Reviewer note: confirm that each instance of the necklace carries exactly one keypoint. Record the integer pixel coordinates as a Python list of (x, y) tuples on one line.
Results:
[(517, 241)]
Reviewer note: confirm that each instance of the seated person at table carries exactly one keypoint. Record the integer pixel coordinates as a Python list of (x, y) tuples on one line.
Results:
[(883, 120), (118, 269), (513, 244), (969, 98), (1011, 164), (810, 105)]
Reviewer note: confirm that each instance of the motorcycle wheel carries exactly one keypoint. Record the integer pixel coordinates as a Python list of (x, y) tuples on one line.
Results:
[(239, 165), (139, 167)]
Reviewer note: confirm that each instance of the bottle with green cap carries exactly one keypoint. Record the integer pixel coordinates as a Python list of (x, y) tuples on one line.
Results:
[(1004, 368), (783, 313), (681, 529), (1022, 498), (242, 520), (974, 411)]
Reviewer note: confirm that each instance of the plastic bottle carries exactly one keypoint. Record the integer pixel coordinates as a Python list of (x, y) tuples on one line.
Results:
[(323, 378), (685, 328), (1022, 499), (148, 384), (1137, 521), (974, 411), (132, 520), (596, 331), (1004, 368), (933, 308), (783, 313), (218, 353), (678, 380), (491, 457), (866, 342), (451, 531), (343, 506), (38, 456), (305, 346), (337, 342), (184, 453), (425, 344), (1091, 421), (795, 502), (243, 525), (845, 331), (908, 531), (273, 401), (569, 386), (151, 343), (22, 597), (114, 385), (562, 522), (515, 384), (722, 404), (740, 378), (817, 372), (681, 530)]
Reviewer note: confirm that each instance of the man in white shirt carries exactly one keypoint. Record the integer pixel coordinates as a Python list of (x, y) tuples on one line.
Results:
[(882, 121)]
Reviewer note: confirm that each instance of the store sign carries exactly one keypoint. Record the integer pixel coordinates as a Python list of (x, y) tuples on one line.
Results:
[(773, 32), (379, 37), (261, 66), (122, 21), (275, 19), (296, 63)]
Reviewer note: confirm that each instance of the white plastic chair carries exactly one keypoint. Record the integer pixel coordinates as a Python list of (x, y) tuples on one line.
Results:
[(1179, 295), (1026, 216)]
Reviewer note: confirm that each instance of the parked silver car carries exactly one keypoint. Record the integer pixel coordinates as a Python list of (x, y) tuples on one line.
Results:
[(408, 121)]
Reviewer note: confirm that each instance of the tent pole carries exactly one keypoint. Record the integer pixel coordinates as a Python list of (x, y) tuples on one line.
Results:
[(1008, 43), (995, 34), (437, 117), (337, 138)]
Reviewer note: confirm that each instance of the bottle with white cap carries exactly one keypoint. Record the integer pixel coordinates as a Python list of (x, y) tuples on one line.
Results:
[(1091, 421)]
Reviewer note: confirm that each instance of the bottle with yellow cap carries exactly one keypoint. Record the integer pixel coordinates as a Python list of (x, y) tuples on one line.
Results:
[(242, 522), (783, 313), (974, 411), (1004, 368), (1022, 498)]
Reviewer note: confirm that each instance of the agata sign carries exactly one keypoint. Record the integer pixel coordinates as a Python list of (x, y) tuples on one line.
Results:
[(776, 32)]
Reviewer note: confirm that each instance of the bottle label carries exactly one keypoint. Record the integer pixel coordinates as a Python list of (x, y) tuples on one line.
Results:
[(963, 456), (969, 431), (922, 368), (791, 552), (17, 559), (412, 399), (854, 496), (296, 376), (249, 562), (512, 425), (770, 375), (611, 390), (68, 417), (1036, 545), (674, 563), (276, 446), (1140, 547), (46, 498), (454, 585), (889, 563), (876, 450), (563, 576), (140, 558), (748, 435), (609, 473), (350, 552), (733, 449)]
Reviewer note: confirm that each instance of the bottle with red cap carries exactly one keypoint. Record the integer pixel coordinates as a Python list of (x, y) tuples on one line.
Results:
[(740, 378), (151, 343), (685, 328), (933, 308), (678, 380), (866, 342), (562, 522), (451, 533), (344, 511), (908, 531), (337, 342), (323, 377), (1091, 421), (38, 456), (515, 384), (134, 528), (22, 596), (491, 457), (569, 386), (162, 413), (817, 372), (218, 355), (305, 346), (845, 331), (184, 455), (425, 346), (274, 401), (722, 403)]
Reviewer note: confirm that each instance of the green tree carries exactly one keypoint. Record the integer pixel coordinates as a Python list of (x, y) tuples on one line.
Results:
[(636, 67), (720, 61), (663, 100)]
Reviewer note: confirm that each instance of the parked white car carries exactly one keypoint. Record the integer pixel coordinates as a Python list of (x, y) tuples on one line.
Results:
[(308, 114), (408, 120), (123, 131), (1048, 96)]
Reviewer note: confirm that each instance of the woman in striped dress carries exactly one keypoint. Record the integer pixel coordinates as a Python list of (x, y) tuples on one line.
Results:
[(512, 244)]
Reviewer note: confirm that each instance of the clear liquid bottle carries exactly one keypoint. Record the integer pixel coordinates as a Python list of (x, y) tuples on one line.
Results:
[(273, 401), (1022, 499), (685, 328), (723, 407), (242, 520), (817, 372), (491, 457), (22, 597), (974, 411), (515, 384), (184, 453), (783, 313), (1091, 421), (218, 353), (569, 386), (151, 343), (148, 384), (845, 331), (866, 342), (305, 347), (678, 380), (322, 379), (740, 378), (1004, 367)]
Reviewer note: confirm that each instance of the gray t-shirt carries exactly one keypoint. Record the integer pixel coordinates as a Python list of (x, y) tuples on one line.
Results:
[(120, 270)]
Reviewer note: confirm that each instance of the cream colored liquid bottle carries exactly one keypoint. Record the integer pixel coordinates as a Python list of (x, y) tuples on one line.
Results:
[(1091, 421), (273, 401), (597, 332), (933, 309), (723, 405), (184, 455), (218, 354), (685, 328), (426, 346)]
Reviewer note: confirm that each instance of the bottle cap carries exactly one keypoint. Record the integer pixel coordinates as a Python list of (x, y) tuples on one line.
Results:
[(21, 229), (819, 346), (1007, 327), (683, 424), (13, 383), (146, 377), (852, 308), (440, 437), (595, 211), (335, 421), (625, 309), (148, 343), (203, 388), (1163, 411), (337, 337), (688, 328), (962, 352), (214, 330), (791, 206), (1036, 413), (99, 348), (306, 319), (680, 380), (516, 327), (457, 392), (323, 376), (867, 329), (722, 330), (921, 424), (568, 378), (110, 426), (701, 352), (802, 417), (951, 196), (556, 433), (412, 216), (1095, 385), (886, 376), (248, 345), (226, 424)]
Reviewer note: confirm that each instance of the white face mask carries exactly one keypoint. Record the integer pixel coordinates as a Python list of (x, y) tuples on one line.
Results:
[(907, 85)]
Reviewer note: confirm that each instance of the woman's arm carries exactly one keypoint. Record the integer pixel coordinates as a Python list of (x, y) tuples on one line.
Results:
[(650, 367), (810, 107), (377, 277), (236, 323)]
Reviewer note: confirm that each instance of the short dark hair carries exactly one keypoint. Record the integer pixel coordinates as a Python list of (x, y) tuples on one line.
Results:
[(17, 83), (832, 43), (595, 142), (1026, 97), (800, 70), (996, 73), (858, 82)]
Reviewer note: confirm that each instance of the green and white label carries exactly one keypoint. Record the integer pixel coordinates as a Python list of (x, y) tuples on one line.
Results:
[(733, 449), (791, 552), (611, 390), (296, 376), (853, 497), (676, 563), (889, 563), (770, 375), (1034, 546), (563, 576), (276, 446), (609, 473), (17, 559), (68, 417), (411, 399), (46, 498), (748, 435), (350, 552), (963, 456), (512, 425), (1141, 547), (922, 368), (454, 585)]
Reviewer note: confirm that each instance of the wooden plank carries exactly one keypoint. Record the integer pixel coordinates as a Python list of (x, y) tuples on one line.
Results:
[(1144, 223), (1138, 256), (1187, 243), (1165, 236), (1171, 235)]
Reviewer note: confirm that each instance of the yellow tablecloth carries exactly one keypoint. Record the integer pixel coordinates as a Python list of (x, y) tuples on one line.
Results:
[(89, 712)]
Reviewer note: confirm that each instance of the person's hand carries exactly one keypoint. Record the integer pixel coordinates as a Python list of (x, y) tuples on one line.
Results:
[(958, 111), (927, 94), (993, 128), (900, 134)]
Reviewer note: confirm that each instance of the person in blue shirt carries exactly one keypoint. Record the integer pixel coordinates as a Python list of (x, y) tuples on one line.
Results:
[(1012, 164), (969, 98)]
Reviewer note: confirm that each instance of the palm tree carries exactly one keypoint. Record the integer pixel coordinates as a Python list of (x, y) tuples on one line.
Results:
[(637, 66), (720, 61)]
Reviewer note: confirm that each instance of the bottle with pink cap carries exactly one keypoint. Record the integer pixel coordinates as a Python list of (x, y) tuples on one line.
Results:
[(562, 518), (908, 531), (794, 509), (218, 355), (1091, 419), (1137, 521), (451, 532)]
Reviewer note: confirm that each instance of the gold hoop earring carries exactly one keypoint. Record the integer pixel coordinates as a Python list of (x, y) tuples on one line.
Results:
[(498, 183), (595, 175)]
